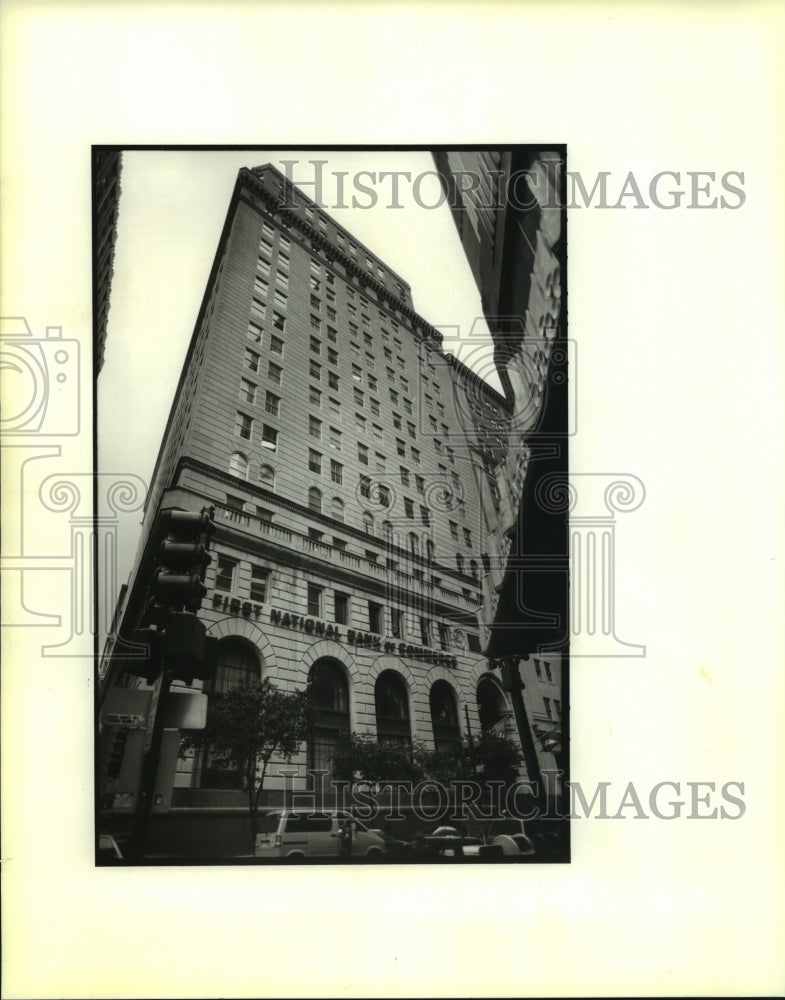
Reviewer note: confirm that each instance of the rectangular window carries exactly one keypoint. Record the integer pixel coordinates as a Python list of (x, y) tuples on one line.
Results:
[(332, 380), (548, 709), (444, 636), (415, 455), (357, 373), (400, 447), (334, 405), (314, 396), (374, 405), (243, 425), (341, 608), (316, 345), (332, 356), (548, 671), (272, 404), (394, 397), (331, 313), (260, 287), (420, 484), (425, 631), (315, 370), (336, 472), (365, 486), (276, 345), (259, 577), (224, 576), (397, 423), (381, 463), (372, 557), (411, 430), (274, 372), (279, 320), (251, 360), (316, 302), (396, 623), (255, 332), (369, 362), (264, 514), (404, 476), (473, 642), (339, 543), (359, 397), (235, 503), (407, 405), (408, 507), (257, 310), (375, 623), (467, 537), (538, 668), (314, 427), (269, 438), (362, 453), (280, 300), (360, 423), (314, 461), (314, 600), (315, 284), (316, 323), (335, 438), (454, 530), (247, 391), (425, 515), (263, 266), (378, 433), (332, 333)]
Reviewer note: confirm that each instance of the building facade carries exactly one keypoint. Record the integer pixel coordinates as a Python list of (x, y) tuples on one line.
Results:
[(509, 211), (107, 170), (348, 460)]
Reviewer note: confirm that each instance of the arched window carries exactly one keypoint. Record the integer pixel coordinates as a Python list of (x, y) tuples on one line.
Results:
[(495, 716), (330, 705), (444, 718), (392, 710), (337, 509), (237, 666), (459, 562), (473, 572), (414, 544), (267, 476), (315, 500), (238, 465), (368, 523)]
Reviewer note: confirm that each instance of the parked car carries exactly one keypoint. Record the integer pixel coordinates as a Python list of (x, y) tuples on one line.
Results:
[(287, 834), (108, 848), (499, 837)]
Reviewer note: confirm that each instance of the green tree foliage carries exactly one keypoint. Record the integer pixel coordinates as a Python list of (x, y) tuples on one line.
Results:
[(246, 728), (359, 757)]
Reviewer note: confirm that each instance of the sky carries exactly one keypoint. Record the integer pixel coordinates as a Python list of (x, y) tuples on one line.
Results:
[(171, 211)]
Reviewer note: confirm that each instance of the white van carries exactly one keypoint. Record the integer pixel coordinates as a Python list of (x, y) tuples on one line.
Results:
[(286, 834)]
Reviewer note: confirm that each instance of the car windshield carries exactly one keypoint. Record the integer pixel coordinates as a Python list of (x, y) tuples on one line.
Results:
[(510, 827)]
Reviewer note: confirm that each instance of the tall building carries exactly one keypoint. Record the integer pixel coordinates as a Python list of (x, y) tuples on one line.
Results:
[(107, 169), (509, 211), (346, 456)]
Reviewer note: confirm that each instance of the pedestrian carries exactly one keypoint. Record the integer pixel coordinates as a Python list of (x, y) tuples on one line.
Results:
[(347, 836)]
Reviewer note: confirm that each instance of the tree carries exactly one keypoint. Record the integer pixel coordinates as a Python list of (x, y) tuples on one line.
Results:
[(246, 728), (360, 757), (493, 757)]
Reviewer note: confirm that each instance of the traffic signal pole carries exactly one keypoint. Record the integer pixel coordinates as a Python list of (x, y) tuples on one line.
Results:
[(150, 762), (178, 647)]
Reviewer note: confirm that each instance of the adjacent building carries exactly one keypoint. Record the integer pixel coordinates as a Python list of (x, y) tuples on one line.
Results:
[(508, 208), (107, 170)]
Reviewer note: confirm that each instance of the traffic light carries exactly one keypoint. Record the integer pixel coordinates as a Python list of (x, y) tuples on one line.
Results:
[(150, 664), (177, 583)]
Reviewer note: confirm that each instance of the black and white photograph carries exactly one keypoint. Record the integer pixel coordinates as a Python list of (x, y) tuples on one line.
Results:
[(343, 634), (392, 488)]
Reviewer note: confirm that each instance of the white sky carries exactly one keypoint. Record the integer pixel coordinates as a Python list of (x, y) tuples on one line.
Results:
[(172, 209)]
